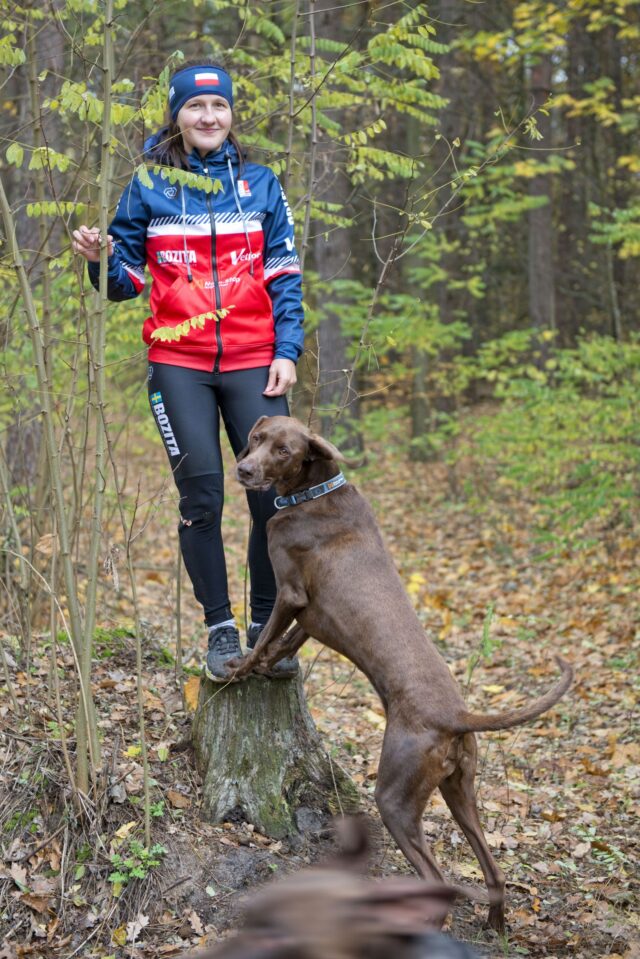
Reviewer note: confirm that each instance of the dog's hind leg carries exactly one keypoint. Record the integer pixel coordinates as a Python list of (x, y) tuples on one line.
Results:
[(409, 771), (459, 794)]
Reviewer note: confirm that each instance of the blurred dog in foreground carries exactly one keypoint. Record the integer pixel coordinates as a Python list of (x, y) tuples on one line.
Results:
[(331, 912)]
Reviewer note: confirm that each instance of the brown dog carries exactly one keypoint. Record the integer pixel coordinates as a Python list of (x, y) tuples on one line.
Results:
[(337, 580)]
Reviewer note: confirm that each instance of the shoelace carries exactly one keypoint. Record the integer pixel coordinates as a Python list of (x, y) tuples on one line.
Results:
[(224, 640)]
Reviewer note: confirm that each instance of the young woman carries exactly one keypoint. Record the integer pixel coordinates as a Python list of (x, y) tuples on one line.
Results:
[(225, 329)]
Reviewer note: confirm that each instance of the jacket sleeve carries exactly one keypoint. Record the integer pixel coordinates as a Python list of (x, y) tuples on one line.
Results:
[(125, 275), (282, 275)]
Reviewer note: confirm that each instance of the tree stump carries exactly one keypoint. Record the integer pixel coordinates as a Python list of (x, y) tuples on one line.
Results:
[(261, 758)]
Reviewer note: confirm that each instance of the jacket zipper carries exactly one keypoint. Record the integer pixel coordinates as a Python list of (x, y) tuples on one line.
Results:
[(216, 283)]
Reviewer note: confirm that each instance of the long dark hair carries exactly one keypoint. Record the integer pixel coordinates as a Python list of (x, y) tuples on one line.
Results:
[(169, 149)]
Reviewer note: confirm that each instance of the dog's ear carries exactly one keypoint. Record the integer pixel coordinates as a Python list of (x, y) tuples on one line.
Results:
[(245, 452), (320, 448), (404, 905)]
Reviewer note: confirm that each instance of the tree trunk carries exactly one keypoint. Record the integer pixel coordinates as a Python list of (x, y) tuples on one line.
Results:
[(449, 13), (573, 229), (337, 395), (261, 758), (541, 235)]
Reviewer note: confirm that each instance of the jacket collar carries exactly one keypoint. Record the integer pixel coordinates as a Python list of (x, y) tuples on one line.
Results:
[(216, 159)]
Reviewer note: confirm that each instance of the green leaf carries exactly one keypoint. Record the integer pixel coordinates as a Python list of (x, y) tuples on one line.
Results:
[(10, 55), (143, 175), (15, 154), (171, 334), (46, 158)]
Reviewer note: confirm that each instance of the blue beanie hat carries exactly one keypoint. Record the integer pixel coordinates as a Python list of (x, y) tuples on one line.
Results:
[(192, 81)]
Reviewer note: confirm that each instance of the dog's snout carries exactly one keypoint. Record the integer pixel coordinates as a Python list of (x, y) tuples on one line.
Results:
[(245, 469)]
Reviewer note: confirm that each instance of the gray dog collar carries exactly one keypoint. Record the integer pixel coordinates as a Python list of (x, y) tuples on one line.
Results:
[(312, 493)]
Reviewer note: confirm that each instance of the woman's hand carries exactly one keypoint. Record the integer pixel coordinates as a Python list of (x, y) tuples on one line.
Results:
[(86, 242), (282, 375)]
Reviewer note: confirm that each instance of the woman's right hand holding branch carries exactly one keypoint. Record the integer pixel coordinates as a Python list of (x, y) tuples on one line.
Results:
[(86, 242)]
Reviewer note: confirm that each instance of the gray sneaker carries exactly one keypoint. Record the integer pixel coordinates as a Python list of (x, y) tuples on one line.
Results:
[(285, 668), (224, 644)]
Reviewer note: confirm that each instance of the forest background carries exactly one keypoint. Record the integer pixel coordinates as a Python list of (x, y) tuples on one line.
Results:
[(465, 179)]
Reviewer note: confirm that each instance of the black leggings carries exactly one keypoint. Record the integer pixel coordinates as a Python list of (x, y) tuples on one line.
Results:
[(187, 405)]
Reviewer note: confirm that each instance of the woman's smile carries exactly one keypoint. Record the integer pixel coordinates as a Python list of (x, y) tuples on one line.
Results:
[(204, 123)]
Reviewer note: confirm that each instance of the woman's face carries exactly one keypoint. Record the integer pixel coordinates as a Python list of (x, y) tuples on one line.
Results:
[(204, 122)]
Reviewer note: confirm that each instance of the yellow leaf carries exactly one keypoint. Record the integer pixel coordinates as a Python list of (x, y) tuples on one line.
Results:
[(467, 870), (124, 831), (493, 689), (415, 584), (172, 334), (447, 624), (119, 935), (375, 719), (191, 693), (132, 752)]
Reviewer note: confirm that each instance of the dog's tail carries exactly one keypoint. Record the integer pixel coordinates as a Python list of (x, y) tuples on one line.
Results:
[(481, 722)]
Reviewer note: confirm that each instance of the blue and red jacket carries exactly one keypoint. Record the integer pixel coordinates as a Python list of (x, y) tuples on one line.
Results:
[(230, 250)]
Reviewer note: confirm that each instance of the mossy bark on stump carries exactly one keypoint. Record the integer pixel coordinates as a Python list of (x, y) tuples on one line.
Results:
[(261, 758)]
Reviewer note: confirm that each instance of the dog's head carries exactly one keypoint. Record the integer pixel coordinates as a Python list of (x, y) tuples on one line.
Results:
[(280, 453)]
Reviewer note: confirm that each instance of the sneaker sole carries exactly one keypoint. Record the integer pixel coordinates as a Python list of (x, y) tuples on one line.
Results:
[(217, 679)]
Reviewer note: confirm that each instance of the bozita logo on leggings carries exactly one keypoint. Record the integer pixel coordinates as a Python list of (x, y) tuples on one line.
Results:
[(163, 422)]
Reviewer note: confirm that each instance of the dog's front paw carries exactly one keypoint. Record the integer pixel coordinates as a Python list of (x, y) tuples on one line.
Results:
[(262, 666), (240, 666)]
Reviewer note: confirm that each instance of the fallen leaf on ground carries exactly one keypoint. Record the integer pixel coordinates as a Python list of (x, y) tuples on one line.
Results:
[(135, 928), (581, 850), (124, 830), (178, 800), (37, 903), (19, 876), (191, 693)]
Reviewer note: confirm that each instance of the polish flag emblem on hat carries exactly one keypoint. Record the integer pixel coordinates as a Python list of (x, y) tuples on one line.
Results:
[(208, 79), (243, 188)]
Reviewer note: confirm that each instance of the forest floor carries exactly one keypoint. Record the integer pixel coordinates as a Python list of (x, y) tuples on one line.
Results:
[(559, 798)]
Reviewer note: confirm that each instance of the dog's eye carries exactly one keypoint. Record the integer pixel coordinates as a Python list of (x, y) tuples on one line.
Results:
[(283, 451)]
